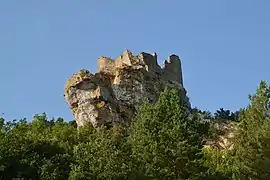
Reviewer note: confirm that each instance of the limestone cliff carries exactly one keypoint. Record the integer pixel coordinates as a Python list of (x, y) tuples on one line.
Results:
[(115, 91)]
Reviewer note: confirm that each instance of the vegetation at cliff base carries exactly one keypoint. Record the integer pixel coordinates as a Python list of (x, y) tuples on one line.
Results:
[(167, 140)]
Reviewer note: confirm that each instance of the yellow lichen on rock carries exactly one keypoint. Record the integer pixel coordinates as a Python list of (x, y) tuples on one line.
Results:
[(100, 104), (74, 110)]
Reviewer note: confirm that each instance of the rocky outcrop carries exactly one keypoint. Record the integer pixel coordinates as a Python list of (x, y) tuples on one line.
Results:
[(225, 130), (115, 91)]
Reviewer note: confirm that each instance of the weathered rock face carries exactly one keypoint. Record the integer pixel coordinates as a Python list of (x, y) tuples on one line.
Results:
[(115, 91), (227, 130)]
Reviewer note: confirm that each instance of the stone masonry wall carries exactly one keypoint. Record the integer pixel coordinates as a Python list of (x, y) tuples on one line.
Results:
[(106, 65), (171, 69)]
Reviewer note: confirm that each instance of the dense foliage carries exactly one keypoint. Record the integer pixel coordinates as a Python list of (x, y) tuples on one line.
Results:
[(250, 157), (165, 141)]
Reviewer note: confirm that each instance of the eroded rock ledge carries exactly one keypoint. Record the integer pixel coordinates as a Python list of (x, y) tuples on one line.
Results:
[(115, 91)]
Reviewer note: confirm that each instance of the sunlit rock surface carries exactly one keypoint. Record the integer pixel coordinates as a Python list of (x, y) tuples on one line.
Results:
[(113, 94)]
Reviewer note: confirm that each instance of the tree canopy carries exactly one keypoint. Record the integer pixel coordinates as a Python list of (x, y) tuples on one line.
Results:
[(166, 140)]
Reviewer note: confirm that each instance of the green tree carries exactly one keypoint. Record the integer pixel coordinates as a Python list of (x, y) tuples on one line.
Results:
[(252, 141), (34, 150), (223, 114), (166, 139), (250, 156), (104, 154)]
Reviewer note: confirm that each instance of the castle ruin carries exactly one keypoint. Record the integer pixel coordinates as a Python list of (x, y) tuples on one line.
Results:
[(115, 91), (171, 69)]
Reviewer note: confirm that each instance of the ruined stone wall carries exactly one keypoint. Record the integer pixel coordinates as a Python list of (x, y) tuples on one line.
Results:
[(150, 61), (106, 65), (172, 69), (118, 62)]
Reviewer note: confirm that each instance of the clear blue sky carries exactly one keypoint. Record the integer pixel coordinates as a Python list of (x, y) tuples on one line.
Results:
[(224, 47)]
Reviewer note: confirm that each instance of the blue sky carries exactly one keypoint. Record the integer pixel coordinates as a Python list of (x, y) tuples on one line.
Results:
[(224, 47)]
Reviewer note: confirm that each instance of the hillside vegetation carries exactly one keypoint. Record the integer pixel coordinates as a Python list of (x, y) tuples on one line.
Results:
[(166, 141)]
